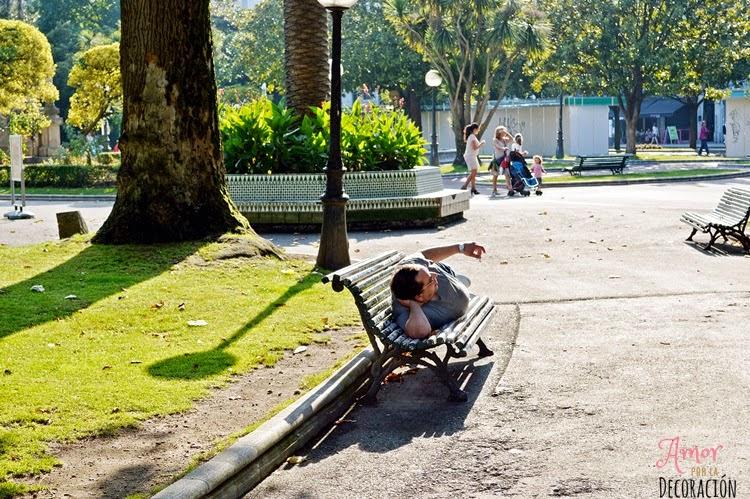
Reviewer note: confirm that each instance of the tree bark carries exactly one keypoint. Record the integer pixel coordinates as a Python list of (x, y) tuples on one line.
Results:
[(171, 184), (458, 122), (414, 107), (305, 55)]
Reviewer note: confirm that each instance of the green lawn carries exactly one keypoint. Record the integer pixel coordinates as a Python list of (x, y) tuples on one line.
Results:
[(634, 176), (91, 191), (122, 351)]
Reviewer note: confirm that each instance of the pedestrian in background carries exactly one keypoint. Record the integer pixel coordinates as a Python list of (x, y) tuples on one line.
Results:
[(471, 155), (703, 136)]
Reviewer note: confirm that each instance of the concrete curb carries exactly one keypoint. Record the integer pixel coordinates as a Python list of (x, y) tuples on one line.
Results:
[(237, 469), (61, 197)]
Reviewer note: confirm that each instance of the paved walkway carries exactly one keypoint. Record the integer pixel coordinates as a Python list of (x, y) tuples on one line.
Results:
[(624, 335), (613, 334)]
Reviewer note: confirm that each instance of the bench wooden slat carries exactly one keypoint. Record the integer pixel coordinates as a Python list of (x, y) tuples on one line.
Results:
[(452, 330), (356, 267), (354, 279), (473, 327), (470, 341)]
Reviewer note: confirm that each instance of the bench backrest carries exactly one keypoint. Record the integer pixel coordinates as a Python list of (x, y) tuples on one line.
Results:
[(601, 161), (369, 283), (734, 205)]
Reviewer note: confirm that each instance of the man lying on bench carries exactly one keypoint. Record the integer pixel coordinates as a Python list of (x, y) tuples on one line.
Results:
[(428, 294)]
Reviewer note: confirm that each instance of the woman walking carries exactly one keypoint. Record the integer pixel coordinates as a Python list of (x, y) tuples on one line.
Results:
[(502, 160), (471, 156)]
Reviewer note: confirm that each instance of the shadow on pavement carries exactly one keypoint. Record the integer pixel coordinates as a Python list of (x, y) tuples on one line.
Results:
[(416, 407)]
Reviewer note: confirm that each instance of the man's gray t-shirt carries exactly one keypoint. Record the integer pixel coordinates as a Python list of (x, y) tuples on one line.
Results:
[(450, 302)]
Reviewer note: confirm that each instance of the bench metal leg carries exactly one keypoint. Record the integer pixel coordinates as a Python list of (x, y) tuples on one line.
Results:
[(483, 350), (690, 237), (383, 366)]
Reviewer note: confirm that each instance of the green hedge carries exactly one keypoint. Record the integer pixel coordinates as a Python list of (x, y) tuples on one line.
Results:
[(43, 175), (263, 137)]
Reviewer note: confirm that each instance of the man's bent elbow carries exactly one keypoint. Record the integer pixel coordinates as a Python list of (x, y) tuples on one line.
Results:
[(418, 332)]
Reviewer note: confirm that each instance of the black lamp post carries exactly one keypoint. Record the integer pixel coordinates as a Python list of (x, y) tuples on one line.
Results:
[(433, 79), (333, 252), (560, 153)]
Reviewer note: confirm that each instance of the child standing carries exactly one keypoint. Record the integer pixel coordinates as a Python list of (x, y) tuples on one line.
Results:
[(537, 169)]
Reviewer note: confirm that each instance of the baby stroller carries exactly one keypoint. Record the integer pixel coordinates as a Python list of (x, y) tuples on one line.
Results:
[(521, 179)]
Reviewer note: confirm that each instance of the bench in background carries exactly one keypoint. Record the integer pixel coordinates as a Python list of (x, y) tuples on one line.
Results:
[(369, 283), (615, 164), (729, 219)]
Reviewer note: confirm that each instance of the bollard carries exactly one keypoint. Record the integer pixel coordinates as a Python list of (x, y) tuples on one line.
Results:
[(70, 223)]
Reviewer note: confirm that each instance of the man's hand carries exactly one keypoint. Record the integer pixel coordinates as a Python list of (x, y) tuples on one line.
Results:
[(474, 250), (408, 303)]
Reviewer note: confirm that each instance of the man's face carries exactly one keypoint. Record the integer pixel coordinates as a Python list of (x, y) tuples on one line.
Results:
[(428, 282)]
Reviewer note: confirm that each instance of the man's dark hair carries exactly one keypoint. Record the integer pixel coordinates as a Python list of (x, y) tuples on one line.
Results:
[(404, 285)]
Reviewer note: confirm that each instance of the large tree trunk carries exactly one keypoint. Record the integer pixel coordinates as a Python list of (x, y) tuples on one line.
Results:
[(458, 122), (171, 185), (305, 55), (414, 107)]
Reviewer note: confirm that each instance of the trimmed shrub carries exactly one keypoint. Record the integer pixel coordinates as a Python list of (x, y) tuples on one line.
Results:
[(64, 175), (263, 137)]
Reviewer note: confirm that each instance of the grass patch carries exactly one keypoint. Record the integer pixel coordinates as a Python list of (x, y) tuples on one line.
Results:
[(68, 191), (122, 351), (633, 176)]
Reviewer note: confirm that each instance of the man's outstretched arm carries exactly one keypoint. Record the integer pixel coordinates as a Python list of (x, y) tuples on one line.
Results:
[(439, 253)]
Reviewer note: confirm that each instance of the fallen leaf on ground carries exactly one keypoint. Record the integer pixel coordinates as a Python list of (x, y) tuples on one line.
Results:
[(197, 323), (38, 288), (299, 350), (71, 297), (295, 459), (158, 304), (181, 307)]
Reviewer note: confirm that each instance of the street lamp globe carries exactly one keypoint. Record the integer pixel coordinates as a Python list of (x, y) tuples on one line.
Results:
[(337, 4), (433, 78)]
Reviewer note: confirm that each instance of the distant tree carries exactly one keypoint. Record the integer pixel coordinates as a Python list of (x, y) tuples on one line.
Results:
[(29, 121), (98, 87), (474, 46), (249, 45), (26, 67), (171, 184), (711, 52), (374, 54), (72, 26), (619, 48)]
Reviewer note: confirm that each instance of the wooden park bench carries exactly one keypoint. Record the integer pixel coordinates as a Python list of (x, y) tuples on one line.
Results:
[(615, 164), (369, 283), (729, 219)]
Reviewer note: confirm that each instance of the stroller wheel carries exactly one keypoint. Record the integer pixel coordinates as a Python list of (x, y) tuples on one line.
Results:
[(525, 193), (511, 193), (539, 193)]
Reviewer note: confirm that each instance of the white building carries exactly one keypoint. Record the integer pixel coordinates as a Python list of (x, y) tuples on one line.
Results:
[(585, 125), (737, 111)]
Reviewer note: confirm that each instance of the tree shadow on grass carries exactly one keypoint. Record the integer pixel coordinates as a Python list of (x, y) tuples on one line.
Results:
[(199, 365), (93, 274)]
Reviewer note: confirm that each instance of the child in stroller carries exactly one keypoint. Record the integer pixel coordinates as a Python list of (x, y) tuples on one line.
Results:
[(521, 178)]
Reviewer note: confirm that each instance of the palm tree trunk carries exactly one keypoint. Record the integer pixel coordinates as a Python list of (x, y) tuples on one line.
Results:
[(305, 55), (171, 184)]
